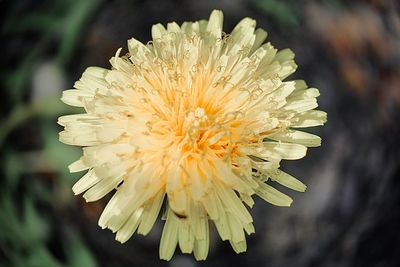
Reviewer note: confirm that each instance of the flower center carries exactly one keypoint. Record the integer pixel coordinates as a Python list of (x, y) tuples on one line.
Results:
[(195, 119)]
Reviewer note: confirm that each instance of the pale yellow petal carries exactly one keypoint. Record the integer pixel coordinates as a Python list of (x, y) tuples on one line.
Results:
[(84, 183), (169, 237), (309, 118), (261, 35), (158, 31), (287, 150), (201, 245), (288, 66), (185, 237), (76, 98), (214, 25), (232, 202), (129, 227), (298, 137), (287, 180), (150, 213), (210, 205), (301, 105), (78, 166), (173, 27), (237, 231), (273, 196), (239, 247), (102, 188)]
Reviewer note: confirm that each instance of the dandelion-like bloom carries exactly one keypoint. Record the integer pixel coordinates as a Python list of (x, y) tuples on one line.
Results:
[(196, 119)]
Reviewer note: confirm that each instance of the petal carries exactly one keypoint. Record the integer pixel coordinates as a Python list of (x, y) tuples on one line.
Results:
[(288, 66), (76, 98), (214, 25), (196, 186), (157, 31), (84, 183), (210, 205), (233, 203), (129, 226), (150, 213), (93, 80), (241, 37), (239, 247), (169, 236), (173, 27), (129, 197), (283, 91), (292, 136), (273, 196), (138, 51), (186, 27), (249, 228), (301, 105), (309, 118), (78, 118), (237, 233), (287, 150), (287, 180), (178, 201), (303, 92), (261, 35), (221, 223), (245, 27), (102, 188), (201, 244), (78, 166), (185, 237)]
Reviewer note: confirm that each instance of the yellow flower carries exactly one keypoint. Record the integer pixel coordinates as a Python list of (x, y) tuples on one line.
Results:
[(197, 120)]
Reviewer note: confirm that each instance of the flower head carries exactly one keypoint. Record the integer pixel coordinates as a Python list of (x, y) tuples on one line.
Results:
[(196, 119)]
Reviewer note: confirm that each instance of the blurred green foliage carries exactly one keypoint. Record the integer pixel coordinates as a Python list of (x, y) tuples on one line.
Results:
[(283, 12), (29, 199)]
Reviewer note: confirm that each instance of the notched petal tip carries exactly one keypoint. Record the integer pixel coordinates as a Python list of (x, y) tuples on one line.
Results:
[(216, 15), (285, 55), (215, 23), (260, 37), (157, 31), (272, 195)]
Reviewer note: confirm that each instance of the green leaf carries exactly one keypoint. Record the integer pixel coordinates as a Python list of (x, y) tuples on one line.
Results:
[(37, 22), (41, 257), (35, 229), (284, 12), (78, 254), (12, 169), (78, 16), (10, 226)]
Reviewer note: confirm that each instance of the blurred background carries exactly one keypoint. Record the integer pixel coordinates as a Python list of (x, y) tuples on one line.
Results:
[(350, 214)]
